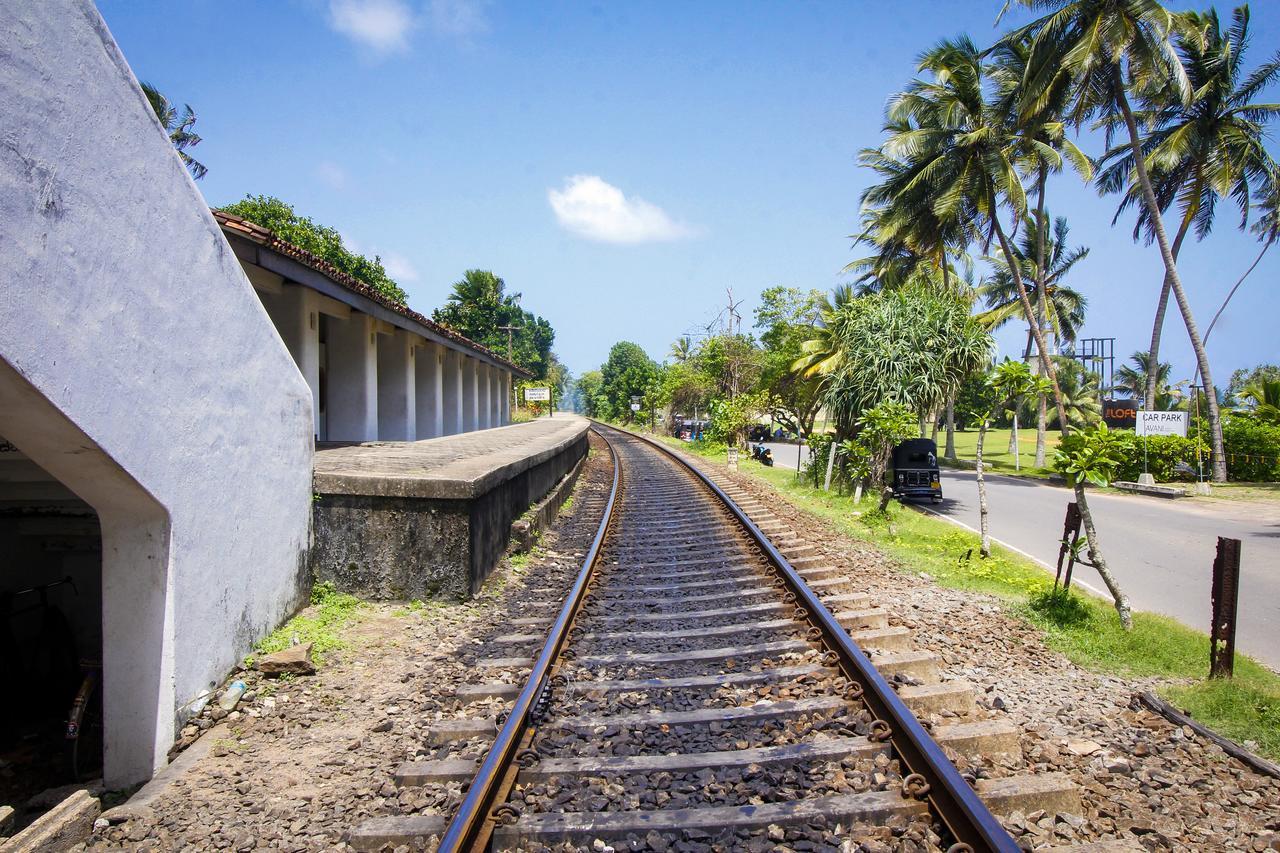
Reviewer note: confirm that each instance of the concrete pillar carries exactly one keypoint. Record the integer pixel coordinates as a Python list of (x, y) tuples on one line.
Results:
[(451, 392), (297, 321), (470, 397), (429, 394), (506, 397), (353, 379), (484, 397), (495, 397), (397, 411)]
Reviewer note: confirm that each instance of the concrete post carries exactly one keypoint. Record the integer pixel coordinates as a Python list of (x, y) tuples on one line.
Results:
[(506, 397), (470, 395), (397, 411), (484, 397), (428, 395), (495, 397), (298, 323), (451, 393), (353, 379)]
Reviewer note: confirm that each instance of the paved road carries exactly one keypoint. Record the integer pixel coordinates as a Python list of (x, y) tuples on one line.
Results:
[(1160, 550)]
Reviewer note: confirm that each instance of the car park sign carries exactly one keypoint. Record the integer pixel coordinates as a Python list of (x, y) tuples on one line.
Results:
[(1162, 423)]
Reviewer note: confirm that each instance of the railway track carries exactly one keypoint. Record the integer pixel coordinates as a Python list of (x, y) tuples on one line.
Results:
[(704, 686)]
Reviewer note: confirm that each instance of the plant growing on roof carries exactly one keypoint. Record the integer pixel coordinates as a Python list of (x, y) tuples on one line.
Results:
[(320, 240)]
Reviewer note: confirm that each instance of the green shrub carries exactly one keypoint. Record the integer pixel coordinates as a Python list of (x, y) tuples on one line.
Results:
[(1163, 453), (1252, 448)]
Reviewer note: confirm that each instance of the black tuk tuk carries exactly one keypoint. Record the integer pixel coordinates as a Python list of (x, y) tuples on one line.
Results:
[(915, 470)]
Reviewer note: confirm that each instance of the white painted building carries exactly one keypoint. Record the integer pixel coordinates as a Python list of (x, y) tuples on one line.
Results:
[(164, 375), (376, 369)]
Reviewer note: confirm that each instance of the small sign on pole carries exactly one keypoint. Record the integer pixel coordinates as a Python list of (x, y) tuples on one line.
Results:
[(1226, 594), (1162, 423), (635, 407), (537, 395), (733, 458)]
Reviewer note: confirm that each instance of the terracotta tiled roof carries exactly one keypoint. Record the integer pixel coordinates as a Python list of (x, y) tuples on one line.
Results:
[(266, 237)]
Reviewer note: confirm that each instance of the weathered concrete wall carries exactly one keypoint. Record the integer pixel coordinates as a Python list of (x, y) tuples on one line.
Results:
[(126, 319), (388, 529)]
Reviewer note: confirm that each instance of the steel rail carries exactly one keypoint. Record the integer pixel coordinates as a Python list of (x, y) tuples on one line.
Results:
[(473, 822), (950, 797)]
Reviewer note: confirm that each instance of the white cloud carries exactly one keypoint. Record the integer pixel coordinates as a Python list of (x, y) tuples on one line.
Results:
[(380, 25), (592, 208), (458, 18), (332, 174), (399, 268)]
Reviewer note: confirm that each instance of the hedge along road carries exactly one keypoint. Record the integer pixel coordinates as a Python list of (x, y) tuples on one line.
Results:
[(1160, 549)]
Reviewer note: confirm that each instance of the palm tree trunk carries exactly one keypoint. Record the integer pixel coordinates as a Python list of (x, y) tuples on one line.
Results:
[(951, 427), (984, 546), (1096, 559), (1030, 315), (1042, 297), (924, 423), (1175, 282), (1157, 330), (1017, 456), (1256, 261), (1042, 416)]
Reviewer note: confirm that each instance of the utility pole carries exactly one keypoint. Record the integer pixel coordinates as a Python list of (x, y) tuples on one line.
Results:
[(510, 330)]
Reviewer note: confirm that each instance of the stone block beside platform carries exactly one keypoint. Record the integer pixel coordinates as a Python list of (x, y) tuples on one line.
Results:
[(424, 519)]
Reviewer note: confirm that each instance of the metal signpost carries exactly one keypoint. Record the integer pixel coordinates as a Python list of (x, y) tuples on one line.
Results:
[(1226, 594)]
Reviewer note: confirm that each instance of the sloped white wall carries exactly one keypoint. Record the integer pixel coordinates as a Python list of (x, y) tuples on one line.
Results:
[(123, 307)]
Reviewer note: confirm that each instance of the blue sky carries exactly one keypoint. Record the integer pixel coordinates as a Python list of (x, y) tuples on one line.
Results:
[(619, 164)]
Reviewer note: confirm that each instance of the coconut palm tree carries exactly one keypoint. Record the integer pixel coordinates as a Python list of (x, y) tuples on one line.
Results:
[(1134, 379), (1061, 310), (1042, 147), (681, 349), (1208, 149), (956, 158), (1080, 392), (1106, 49), (1265, 397), (178, 126), (1268, 230)]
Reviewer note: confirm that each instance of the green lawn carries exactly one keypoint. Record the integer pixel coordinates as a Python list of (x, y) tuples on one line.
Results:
[(1084, 628), (995, 450)]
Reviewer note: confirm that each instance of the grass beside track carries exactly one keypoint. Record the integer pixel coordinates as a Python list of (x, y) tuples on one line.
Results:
[(1083, 627)]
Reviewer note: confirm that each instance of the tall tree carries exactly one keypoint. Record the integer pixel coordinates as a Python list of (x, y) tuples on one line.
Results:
[(786, 318), (1198, 151), (1107, 49), (627, 373), (480, 307), (1059, 310), (179, 126), (1041, 148), (1138, 378), (958, 156)]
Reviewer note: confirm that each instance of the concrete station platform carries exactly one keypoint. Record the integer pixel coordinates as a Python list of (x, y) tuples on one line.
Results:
[(422, 519)]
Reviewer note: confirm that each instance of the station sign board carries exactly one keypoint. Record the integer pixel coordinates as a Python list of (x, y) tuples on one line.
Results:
[(1162, 423), (1120, 414), (537, 395)]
